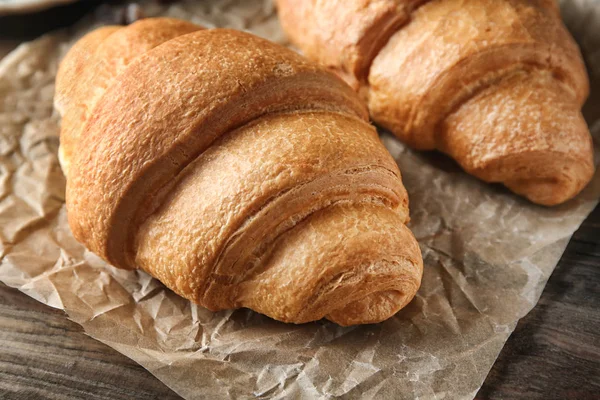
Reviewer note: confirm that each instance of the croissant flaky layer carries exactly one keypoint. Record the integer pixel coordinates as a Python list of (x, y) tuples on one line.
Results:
[(496, 84), (234, 171)]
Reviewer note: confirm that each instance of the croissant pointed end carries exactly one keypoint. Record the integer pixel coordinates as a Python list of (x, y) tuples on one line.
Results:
[(555, 185), (526, 132), (374, 308), (365, 266), (544, 191)]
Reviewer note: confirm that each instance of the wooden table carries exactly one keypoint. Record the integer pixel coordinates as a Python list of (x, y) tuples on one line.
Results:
[(553, 354)]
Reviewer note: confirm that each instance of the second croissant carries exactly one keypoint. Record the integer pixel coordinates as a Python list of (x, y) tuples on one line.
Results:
[(496, 84)]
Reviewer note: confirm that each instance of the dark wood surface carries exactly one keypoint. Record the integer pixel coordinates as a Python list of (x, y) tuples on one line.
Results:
[(43, 355), (553, 354), (555, 351)]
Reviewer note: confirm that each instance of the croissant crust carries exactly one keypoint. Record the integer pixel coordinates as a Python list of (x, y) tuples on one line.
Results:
[(235, 171), (496, 84)]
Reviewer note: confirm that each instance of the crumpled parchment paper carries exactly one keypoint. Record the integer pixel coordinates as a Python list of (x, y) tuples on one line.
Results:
[(487, 254)]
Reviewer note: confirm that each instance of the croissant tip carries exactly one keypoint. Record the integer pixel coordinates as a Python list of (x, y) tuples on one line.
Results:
[(546, 191), (372, 309)]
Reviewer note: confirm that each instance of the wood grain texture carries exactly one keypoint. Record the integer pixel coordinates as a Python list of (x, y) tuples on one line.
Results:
[(43, 355), (553, 354)]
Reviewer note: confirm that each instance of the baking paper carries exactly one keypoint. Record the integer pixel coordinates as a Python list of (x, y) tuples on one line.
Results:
[(487, 256)]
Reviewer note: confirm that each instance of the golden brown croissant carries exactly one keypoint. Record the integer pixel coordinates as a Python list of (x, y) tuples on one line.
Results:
[(235, 171), (496, 84)]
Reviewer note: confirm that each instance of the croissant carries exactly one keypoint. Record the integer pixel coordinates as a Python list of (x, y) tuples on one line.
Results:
[(235, 171), (496, 84)]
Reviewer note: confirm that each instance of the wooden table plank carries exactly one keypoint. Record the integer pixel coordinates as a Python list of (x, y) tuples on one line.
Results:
[(44, 355)]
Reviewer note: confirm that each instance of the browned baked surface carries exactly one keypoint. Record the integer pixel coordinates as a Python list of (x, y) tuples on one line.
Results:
[(235, 171), (496, 84)]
